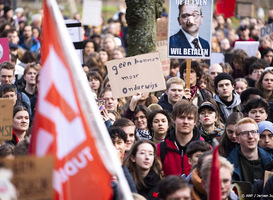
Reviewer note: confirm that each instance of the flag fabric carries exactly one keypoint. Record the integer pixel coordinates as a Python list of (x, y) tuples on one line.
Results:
[(226, 7), (215, 183), (67, 121)]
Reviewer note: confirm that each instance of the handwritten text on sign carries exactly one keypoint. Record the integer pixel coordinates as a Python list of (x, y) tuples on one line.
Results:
[(142, 73), (6, 111)]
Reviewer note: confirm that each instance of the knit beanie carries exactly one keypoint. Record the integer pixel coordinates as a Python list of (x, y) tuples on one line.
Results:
[(222, 76), (265, 126)]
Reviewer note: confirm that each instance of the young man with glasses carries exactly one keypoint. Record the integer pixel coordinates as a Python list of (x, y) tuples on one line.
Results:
[(186, 42), (248, 159)]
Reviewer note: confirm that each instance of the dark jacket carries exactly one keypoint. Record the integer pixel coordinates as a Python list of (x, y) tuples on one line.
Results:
[(175, 161), (180, 41), (234, 159), (151, 190), (164, 103)]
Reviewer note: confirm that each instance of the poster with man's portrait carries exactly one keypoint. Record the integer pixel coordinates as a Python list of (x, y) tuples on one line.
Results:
[(190, 25)]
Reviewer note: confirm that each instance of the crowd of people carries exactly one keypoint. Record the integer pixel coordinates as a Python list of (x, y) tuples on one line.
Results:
[(164, 139)]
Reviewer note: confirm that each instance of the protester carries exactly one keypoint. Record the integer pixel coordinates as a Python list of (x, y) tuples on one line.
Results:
[(197, 95), (228, 140), (265, 129), (195, 150), (130, 130), (209, 124), (173, 187), (240, 85), (118, 138), (20, 124), (248, 159), (145, 168), (257, 109), (172, 151), (159, 124), (265, 84), (174, 92), (214, 70), (89, 46), (225, 173), (95, 81), (228, 101)]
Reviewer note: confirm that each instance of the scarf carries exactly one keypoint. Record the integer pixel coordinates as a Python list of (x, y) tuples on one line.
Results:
[(193, 91), (144, 134)]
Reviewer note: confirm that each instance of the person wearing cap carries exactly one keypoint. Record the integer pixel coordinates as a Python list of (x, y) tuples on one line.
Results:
[(187, 39), (265, 129), (244, 34), (227, 100), (209, 125)]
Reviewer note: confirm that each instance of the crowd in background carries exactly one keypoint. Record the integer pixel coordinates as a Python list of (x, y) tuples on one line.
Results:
[(161, 136)]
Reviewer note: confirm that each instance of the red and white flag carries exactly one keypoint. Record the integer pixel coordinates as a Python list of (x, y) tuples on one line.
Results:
[(67, 121), (215, 183)]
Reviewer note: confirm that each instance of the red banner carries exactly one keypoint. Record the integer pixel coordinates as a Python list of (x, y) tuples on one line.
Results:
[(215, 189), (60, 126), (226, 7)]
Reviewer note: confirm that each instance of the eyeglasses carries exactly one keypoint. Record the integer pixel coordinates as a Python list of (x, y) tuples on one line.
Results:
[(186, 16), (246, 133)]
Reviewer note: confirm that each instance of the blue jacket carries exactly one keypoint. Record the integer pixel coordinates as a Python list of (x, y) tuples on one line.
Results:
[(34, 47), (179, 41), (234, 159)]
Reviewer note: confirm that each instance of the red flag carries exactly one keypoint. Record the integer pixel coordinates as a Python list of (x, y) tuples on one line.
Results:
[(226, 7), (65, 125), (215, 184)]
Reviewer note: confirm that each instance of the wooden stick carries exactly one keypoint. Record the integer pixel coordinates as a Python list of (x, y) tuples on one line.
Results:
[(188, 73)]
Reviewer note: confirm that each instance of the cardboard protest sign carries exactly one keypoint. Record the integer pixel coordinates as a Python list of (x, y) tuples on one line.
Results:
[(162, 48), (251, 48), (6, 112), (91, 14), (32, 177), (142, 73), (216, 58), (161, 29), (4, 50), (189, 33), (74, 28), (267, 30)]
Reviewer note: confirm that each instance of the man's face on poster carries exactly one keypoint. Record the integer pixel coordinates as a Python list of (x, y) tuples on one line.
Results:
[(190, 18)]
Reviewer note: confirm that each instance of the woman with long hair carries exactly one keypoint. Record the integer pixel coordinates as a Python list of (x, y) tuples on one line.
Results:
[(228, 140), (145, 167), (20, 124), (265, 84), (159, 124), (89, 46), (95, 81), (140, 119)]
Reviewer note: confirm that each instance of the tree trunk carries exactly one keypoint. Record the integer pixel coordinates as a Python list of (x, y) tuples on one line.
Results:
[(141, 18)]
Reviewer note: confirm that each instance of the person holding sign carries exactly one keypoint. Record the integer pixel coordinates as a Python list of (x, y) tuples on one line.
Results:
[(186, 42)]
